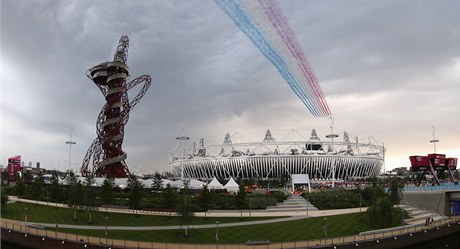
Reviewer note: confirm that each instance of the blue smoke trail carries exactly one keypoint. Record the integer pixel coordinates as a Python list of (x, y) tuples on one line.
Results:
[(241, 19)]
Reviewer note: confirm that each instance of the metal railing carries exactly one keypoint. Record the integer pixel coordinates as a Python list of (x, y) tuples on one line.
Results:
[(433, 188), (84, 239)]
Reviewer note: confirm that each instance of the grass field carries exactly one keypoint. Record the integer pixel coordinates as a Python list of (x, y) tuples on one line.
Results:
[(311, 228), (305, 229), (50, 214)]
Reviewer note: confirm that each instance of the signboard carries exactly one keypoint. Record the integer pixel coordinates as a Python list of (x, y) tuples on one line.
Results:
[(438, 161), (451, 163), (14, 165), (419, 163)]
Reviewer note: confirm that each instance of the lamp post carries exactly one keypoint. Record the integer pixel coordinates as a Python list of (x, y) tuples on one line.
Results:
[(217, 234), (106, 240), (434, 140), (325, 230), (307, 205), (70, 143), (250, 206), (25, 218), (332, 136)]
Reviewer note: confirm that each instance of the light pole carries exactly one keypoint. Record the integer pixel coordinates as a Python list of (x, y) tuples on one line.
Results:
[(325, 230), (106, 240), (250, 206), (307, 205), (25, 218), (70, 142), (217, 234), (332, 136), (434, 140)]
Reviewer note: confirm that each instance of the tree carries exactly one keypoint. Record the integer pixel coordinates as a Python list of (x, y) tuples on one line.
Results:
[(19, 187), (4, 198), (374, 191), (136, 193), (36, 188), (4, 177), (396, 186), (241, 199), (380, 213), (157, 183), (74, 193), (168, 197), (107, 193), (55, 190), (28, 177), (204, 199), (89, 197), (184, 206)]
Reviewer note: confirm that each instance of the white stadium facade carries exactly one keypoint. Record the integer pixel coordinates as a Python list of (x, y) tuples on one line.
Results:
[(340, 159)]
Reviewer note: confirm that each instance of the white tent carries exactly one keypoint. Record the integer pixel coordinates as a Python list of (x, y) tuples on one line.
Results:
[(214, 184), (165, 182), (232, 186), (176, 184), (98, 181), (195, 184), (121, 182), (300, 179)]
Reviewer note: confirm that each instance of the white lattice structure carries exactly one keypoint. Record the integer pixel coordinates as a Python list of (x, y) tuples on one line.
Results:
[(273, 159)]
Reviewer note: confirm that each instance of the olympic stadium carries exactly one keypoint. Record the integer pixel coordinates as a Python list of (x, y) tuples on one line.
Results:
[(343, 159)]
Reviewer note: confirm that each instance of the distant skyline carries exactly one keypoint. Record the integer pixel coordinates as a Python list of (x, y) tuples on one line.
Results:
[(389, 70)]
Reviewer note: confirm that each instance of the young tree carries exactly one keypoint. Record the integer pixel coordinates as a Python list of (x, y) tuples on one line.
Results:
[(36, 188), (168, 198), (107, 193), (4, 199), (157, 183), (396, 187), (74, 193), (55, 190), (89, 197), (184, 206), (380, 213), (205, 199), (19, 187), (241, 199), (28, 177), (4, 177), (374, 191), (136, 193)]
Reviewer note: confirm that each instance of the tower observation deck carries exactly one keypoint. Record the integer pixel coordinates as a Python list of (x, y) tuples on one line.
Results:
[(108, 157)]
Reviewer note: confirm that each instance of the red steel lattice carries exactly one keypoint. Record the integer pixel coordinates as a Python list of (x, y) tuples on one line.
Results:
[(107, 156)]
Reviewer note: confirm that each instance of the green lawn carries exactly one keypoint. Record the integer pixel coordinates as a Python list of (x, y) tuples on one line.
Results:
[(49, 214), (311, 228), (305, 229)]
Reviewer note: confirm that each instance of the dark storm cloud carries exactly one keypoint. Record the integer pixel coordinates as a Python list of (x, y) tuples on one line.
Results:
[(381, 62)]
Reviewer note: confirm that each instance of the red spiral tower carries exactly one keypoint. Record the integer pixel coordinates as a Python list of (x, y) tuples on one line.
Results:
[(107, 156)]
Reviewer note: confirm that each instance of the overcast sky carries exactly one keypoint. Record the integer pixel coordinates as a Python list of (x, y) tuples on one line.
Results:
[(389, 70)]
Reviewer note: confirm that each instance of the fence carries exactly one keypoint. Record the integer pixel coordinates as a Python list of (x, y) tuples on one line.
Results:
[(442, 187), (68, 237)]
